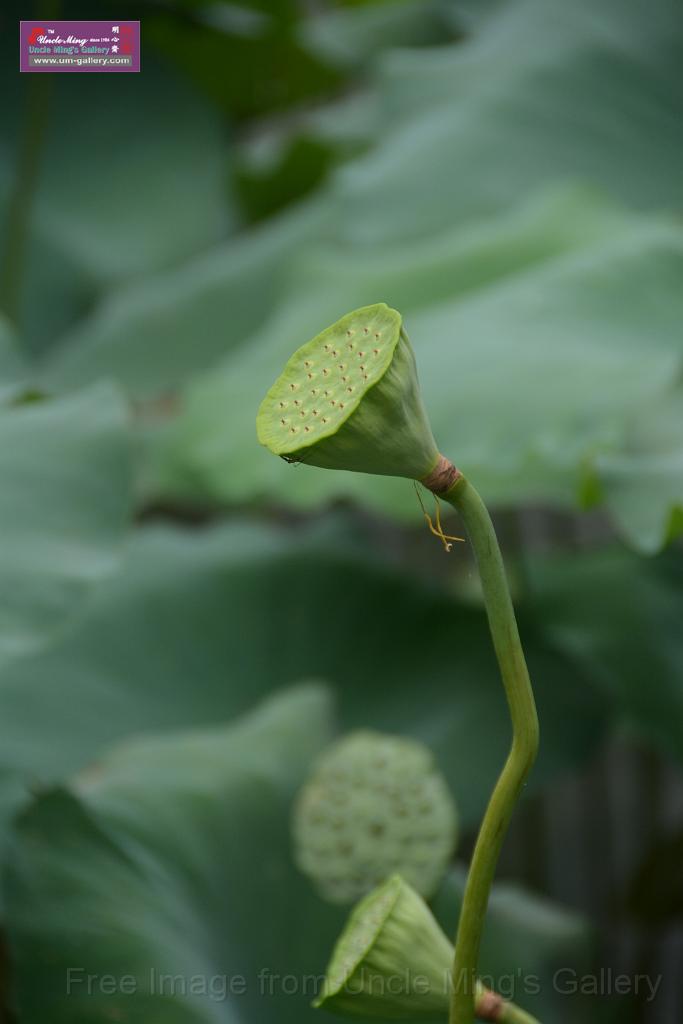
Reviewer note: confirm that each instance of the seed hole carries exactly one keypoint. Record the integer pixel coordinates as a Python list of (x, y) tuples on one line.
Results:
[(365, 330), (324, 420), (342, 366), (349, 389), (344, 379), (334, 352), (333, 401), (376, 351), (325, 372), (341, 405), (310, 376), (360, 354), (377, 334), (326, 347), (292, 430), (362, 367), (307, 429), (283, 405), (297, 402), (306, 363), (315, 412), (365, 376)]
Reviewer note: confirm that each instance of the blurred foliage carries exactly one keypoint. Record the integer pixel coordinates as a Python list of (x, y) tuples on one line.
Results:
[(508, 175), (63, 511), (494, 263), (172, 824), (174, 639), (619, 619), (268, 181)]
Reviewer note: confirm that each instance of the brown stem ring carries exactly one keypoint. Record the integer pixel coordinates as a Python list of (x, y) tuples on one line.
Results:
[(442, 477)]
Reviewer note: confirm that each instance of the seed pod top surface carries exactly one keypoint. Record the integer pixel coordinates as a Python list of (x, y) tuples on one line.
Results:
[(374, 805), (349, 399)]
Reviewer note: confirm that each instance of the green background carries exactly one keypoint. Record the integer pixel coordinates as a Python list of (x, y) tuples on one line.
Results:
[(186, 621)]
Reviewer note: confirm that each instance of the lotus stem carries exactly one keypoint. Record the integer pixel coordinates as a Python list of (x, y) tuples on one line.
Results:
[(460, 493), (350, 399)]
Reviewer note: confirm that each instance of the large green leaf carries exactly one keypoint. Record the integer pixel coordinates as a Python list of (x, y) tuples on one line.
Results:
[(174, 862), (196, 628), (157, 196), (144, 190), (514, 88), (161, 886), (641, 482), (621, 619), (152, 334), (529, 308), (64, 506), (528, 372), (541, 92), (220, 299)]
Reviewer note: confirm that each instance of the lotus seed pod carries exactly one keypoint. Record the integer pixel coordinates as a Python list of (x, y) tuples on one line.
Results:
[(350, 399), (391, 961), (374, 805)]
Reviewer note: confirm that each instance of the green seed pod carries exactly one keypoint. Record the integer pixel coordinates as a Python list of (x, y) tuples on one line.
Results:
[(374, 805), (350, 399), (391, 961)]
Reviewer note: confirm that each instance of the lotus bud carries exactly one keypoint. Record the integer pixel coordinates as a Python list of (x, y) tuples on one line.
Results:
[(350, 399), (374, 805), (391, 961)]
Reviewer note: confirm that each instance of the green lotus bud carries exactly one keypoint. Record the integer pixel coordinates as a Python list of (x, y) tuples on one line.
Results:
[(350, 399), (392, 959), (374, 805)]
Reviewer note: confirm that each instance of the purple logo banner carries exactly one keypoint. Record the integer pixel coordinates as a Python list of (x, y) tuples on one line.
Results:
[(79, 45)]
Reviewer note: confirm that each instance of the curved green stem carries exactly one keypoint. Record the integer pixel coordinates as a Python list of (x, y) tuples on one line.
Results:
[(508, 648)]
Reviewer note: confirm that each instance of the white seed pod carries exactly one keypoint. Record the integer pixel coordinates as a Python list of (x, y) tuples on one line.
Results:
[(374, 805)]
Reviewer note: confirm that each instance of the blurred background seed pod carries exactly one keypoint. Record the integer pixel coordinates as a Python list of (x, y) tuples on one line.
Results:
[(374, 805)]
